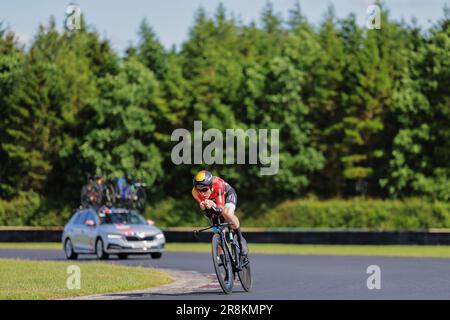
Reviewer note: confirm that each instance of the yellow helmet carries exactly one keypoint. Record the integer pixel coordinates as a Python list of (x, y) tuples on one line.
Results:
[(203, 178)]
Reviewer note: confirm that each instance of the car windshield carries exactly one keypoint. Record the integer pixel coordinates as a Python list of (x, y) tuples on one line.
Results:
[(131, 217)]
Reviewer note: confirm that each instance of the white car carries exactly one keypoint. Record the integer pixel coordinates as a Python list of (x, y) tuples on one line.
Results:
[(111, 231)]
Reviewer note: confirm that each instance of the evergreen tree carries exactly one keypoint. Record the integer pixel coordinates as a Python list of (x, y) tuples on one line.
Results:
[(122, 139), (150, 51)]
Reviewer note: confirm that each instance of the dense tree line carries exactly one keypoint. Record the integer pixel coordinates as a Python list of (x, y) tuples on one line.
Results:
[(361, 112)]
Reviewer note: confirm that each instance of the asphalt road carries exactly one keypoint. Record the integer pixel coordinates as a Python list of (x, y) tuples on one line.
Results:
[(296, 276)]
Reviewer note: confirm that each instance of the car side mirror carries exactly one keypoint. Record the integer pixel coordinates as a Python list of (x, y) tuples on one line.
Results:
[(90, 223), (150, 222)]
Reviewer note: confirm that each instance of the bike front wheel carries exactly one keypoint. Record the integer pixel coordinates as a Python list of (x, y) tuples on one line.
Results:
[(245, 274), (222, 264)]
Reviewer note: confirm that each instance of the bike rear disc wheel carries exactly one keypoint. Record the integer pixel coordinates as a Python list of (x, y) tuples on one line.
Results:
[(224, 272), (244, 275)]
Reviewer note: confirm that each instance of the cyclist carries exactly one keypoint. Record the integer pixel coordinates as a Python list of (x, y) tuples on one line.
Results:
[(218, 200)]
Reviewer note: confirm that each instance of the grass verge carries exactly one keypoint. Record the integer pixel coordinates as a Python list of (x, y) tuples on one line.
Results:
[(24, 279), (302, 249), (31, 245)]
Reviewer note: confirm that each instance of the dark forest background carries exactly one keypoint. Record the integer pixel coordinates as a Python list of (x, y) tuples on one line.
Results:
[(363, 114)]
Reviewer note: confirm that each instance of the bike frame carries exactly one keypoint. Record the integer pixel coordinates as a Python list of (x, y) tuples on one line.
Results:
[(220, 229)]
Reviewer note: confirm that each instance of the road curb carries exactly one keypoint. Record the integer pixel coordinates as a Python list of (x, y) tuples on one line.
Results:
[(185, 282)]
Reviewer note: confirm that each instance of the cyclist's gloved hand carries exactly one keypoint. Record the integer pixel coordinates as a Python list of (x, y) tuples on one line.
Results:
[(209, 204)]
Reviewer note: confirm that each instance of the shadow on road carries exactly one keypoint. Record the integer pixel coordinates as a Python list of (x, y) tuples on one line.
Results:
[(149, 295)]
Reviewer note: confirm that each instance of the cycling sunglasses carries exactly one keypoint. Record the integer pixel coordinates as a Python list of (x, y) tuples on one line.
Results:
[(203, 190)]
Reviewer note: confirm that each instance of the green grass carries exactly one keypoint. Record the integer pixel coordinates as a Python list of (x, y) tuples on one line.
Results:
[(303, 249), (24, 279), (31, 245)]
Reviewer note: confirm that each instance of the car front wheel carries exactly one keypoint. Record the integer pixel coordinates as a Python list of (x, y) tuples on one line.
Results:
[(100, 251), (68, 249)]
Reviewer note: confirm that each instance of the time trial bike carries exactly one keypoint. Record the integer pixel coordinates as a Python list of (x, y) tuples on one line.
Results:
[(227, 259)]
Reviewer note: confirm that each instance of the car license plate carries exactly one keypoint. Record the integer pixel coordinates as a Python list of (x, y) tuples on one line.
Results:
[(142, 244)]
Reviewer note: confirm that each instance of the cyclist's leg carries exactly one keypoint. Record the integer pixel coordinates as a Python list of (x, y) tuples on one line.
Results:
[(229, 209), (229, 215), (231, 218)]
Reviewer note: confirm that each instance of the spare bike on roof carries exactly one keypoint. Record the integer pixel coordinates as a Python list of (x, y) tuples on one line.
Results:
[(92, 192), (130, 194), (109, 193)]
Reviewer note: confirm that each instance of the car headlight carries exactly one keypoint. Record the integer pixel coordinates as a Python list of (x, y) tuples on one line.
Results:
[(114, 236), (159, 236)]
